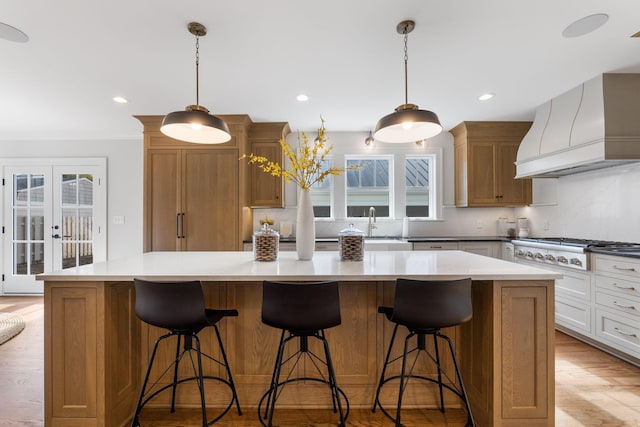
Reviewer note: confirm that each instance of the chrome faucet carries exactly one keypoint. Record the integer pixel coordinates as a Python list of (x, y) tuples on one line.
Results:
[(372, 225)]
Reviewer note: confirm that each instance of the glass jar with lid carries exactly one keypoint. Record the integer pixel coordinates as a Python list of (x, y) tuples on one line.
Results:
[(351, 244), (265, 244)]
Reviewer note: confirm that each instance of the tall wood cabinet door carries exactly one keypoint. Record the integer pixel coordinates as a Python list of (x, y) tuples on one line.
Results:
[(210, 200), (482, 188), (266, 190), (163, 200), (512, 191)]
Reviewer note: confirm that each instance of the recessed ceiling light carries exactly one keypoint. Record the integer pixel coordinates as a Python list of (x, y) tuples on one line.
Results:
[(585, 25), (486, 96), (120, 100), (12, 34), (302, 97)]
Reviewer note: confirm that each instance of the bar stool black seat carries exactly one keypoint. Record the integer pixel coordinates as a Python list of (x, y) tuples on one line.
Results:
[(424, 308), (180, 308), (303, 311)]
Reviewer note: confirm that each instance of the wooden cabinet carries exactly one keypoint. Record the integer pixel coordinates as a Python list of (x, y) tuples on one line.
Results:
[(195, 194), (266, 191), (193, 199), (484, 156)]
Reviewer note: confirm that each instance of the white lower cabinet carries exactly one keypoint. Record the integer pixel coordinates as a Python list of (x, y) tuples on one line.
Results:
[(490, 249), (617, 303), (435, 246), (573, 314)]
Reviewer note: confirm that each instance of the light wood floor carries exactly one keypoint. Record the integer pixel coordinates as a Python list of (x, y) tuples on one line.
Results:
[(592, 388)]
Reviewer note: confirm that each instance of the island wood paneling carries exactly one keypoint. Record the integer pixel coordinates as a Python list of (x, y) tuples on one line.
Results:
[(506, 352)]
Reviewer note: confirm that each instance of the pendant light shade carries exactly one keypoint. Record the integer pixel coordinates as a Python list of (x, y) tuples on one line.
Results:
[(195, 124), (408, 123)]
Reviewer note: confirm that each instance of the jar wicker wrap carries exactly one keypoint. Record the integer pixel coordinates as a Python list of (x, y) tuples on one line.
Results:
[(265, 244), (351, 244)]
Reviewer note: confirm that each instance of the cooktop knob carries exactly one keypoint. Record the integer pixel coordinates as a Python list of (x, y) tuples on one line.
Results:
[(575, 261), (549, 257), (562, 259)]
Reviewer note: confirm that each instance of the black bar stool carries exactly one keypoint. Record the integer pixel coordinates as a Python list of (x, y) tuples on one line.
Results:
[(425, 307), (303, 311), (179, 307)]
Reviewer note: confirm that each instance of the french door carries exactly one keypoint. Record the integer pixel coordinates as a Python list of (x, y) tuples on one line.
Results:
[(54, 217)]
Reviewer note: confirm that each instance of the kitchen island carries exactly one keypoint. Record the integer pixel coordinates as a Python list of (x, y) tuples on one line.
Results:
[(96, 349)]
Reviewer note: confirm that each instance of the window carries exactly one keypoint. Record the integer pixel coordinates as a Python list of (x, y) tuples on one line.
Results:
[(321, 193), (369, 186), (418, 178)]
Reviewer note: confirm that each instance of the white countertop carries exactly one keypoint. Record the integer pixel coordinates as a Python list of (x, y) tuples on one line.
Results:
[(240, 266)]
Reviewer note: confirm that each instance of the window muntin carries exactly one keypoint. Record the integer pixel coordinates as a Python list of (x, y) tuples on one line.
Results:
[(371, 185)]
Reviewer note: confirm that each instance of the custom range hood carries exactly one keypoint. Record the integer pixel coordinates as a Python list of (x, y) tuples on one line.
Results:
[(592, 126)]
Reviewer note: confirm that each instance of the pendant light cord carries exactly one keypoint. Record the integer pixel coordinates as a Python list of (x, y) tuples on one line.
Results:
[(197, 70), (406, 60)]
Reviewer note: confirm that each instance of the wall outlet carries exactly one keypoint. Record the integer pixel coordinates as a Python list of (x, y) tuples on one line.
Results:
[(118, 220), (545, 225), (479, 224)]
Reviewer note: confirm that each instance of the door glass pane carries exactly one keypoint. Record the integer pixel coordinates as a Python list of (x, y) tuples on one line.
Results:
[(20, 258), (77, 219), (20, 221), (36, 195), (69, 254), (69, 223), (20, 189), (69, 189), (37, 224), (37, 258), (85, 253)]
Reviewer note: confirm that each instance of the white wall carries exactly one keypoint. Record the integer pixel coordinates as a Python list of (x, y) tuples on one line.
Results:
[(124, 176), (602, 205), (455, 221)]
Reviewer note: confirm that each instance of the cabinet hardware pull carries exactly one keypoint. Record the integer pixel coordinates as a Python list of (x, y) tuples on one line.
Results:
[(628, 334), (624, 269), (178, 226), (628, 307), (182, 225), (627, 288), (435, 247)]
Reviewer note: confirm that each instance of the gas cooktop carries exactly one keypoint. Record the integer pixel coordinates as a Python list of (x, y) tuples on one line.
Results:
[(581, 243)]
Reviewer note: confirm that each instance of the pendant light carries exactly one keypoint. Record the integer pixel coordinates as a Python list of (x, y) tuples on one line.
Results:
[(195, 124), (408, 123)]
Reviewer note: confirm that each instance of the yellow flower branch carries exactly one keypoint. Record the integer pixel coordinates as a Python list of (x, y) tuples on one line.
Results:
[(306, 163)]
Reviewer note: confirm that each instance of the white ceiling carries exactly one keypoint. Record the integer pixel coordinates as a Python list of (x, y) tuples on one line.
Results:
[(258, 55)]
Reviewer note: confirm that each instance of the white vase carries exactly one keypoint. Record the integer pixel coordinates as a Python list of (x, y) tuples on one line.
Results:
[(305, 227)]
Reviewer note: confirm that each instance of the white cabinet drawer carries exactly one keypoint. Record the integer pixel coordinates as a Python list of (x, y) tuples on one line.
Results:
[(490, 249), (618, 331), (435, 246), (619, 303), (628, 267), (574, 284), (572, 314), (626, 287)]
